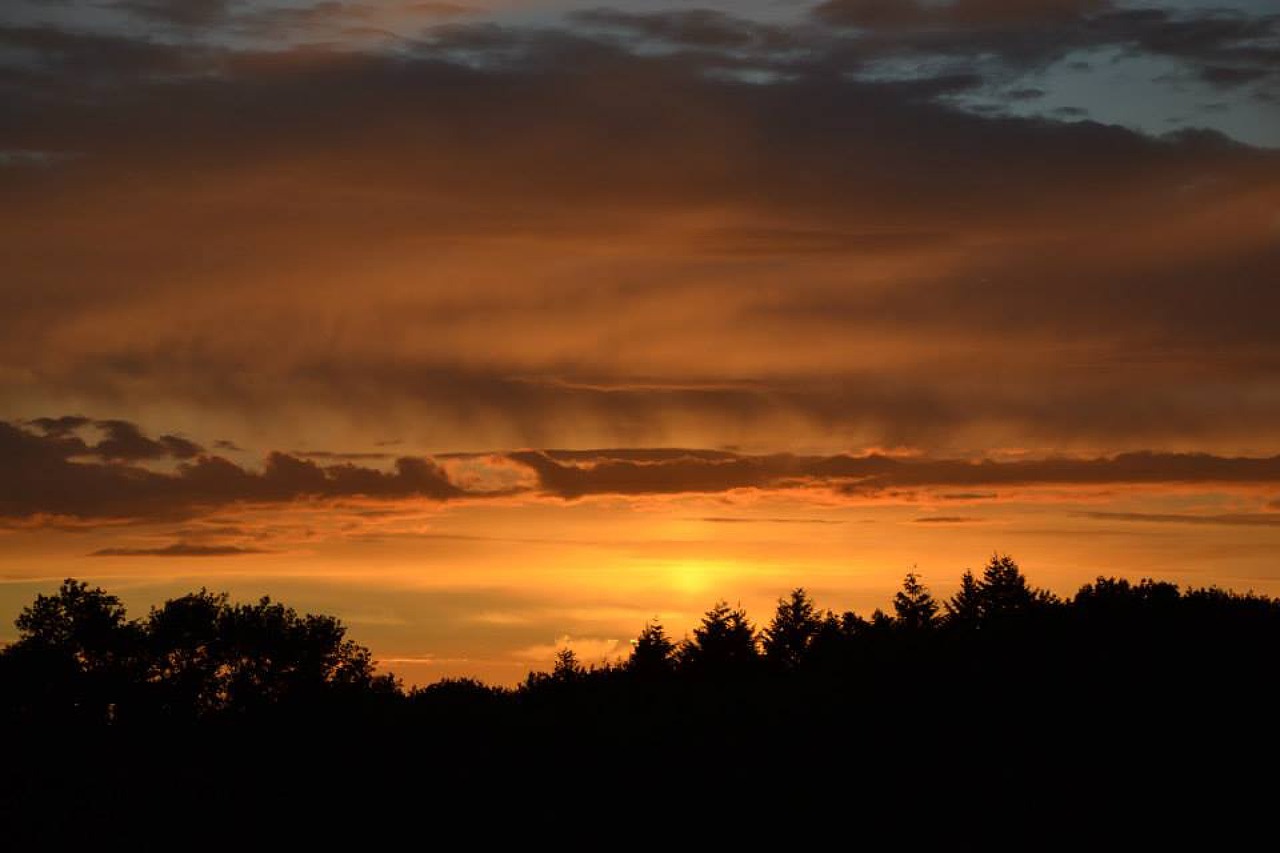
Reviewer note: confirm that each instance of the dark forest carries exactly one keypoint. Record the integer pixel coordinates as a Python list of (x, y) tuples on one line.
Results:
[(1003, 697)]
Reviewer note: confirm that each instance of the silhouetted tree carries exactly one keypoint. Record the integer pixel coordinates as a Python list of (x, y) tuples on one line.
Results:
[(272, 654), (1117, 594), (189, 665), (835, 637), (723, 644), (1004, 590), (567, 668), (914, 607), (880, 621), (79, 652), (652, 653), (788, 637), (964, 609), (87, 625)]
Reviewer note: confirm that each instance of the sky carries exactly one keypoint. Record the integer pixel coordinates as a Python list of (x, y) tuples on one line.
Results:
[(498, 327)]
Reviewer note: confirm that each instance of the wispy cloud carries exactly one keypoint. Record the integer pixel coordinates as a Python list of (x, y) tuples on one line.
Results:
[(1229, 519), (179, 549)]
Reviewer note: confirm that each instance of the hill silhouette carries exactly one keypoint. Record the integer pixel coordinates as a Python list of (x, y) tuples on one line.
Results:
[(960, 722)]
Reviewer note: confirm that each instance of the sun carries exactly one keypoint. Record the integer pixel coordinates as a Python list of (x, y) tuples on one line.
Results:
[(694, 577)]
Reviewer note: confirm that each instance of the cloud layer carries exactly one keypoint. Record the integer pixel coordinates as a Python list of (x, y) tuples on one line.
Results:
[(637, 228), (54, 474), (60, 475)]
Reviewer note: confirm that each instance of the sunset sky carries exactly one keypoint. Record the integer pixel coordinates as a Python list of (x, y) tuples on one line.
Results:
[(492, 327)]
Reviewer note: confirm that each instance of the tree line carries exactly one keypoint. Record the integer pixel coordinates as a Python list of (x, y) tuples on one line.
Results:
[(202, 657)]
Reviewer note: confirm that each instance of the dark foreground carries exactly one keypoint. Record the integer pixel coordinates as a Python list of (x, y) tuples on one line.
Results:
[(1131, 716)]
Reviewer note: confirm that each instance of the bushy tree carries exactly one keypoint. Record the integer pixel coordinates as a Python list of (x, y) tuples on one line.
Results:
[(272, 654), (193, 656), (87, 625), (76, 655), (189, 667)]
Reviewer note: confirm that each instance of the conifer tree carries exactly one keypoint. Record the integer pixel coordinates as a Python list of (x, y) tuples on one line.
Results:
[(793, 629), (914, 606)]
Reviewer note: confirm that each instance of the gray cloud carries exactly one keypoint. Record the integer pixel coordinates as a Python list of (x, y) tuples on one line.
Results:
[(1228, 519), (179, 549), (185, 13), (45, 478), (721, 519), (871, 475), (699, 28), (1039, 33)]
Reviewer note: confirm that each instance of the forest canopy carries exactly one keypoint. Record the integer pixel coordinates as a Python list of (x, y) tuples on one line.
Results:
[(200, 656)]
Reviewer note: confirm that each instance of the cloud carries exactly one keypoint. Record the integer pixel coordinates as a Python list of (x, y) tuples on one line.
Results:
[(474, 241), (1038, 33), (179, 549), (54, 473), (874, 474), (961, 15), (946, 519), (124, 441), (61, 426), (699, 28), (186, 13), (1229, 519), (720, 519), (44, 476), (345, 456)]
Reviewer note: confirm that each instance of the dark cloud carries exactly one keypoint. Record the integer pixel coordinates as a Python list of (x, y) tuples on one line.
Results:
[(945, 519), (875, 475), (123, 440), (44, 476), (61, 426), (1229, 519), (678, 473), (179, 549), (740, 242), (184, 13), (334, 454), (48, 476), (706, 28), (1227, 77), (1039, 33), (56, 61), (958, 14), (721, 519)]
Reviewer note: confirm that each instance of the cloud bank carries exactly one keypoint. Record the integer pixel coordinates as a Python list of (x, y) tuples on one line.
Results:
[(53, 474)]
